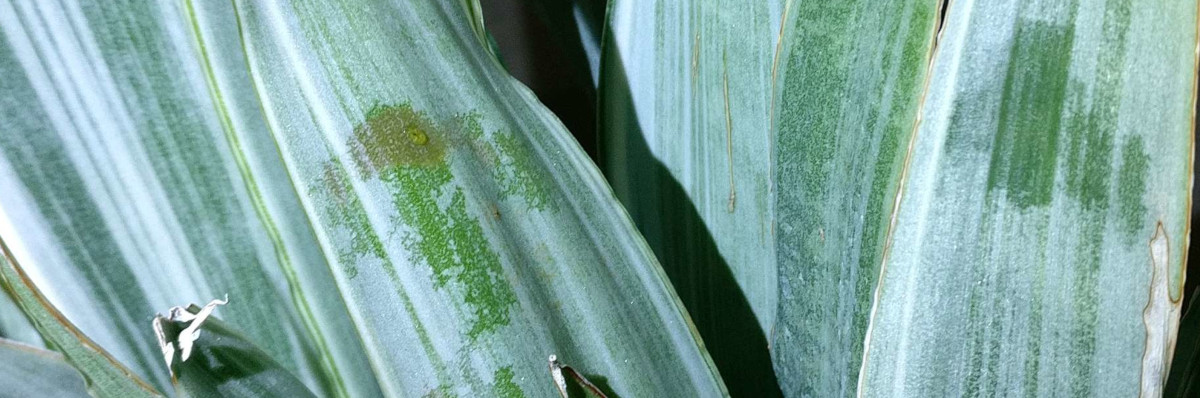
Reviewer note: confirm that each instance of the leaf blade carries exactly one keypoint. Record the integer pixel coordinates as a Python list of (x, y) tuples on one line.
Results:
[(837, 168), (1071, 231), (684, 125), (453, 202), (120, 185), (31, 372), (103, 374)]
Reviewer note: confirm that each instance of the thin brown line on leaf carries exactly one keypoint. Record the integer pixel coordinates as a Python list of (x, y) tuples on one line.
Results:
[(1187, 223), (728, 131)]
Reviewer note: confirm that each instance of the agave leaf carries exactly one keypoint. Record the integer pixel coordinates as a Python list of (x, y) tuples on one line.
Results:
[(221, 362), (467, 231), (849, 81), (28, 371), (122, 189), (1038, 244), (104, 376), (684, 121)]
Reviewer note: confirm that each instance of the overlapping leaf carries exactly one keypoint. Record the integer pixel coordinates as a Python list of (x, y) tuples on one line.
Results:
[(1038, 237), (388, 212), (469, 234), (31, 372), (103, 375), (122, 192), (685, 93)]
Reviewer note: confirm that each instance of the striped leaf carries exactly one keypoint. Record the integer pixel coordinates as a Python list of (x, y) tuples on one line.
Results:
[(15, 326), (387, 210), (847, 94), (1041, 216), (1045, 213), (469, 234), (124, 192)]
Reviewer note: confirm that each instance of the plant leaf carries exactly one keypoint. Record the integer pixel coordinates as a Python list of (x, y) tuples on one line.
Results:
[(120, 185), (32, 372), (1038, 245), (849, 81), (469, 234), (104, 375), (684, 121)]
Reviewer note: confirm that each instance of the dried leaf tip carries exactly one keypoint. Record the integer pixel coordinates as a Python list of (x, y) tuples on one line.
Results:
[(187, 337), (557, 371)]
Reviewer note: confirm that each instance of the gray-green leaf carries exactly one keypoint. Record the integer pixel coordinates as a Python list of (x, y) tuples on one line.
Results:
[(685, 91), (104, 376), (28, 371), (1038, 246)]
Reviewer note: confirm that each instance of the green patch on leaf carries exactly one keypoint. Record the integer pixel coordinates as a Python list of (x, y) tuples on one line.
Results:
[(1131, 184), (526, 179), (1026, 142), (442, 391), (504, 387), (347, 212), (407, 151)]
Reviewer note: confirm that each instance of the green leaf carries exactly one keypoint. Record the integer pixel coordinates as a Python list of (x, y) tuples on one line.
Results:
[(221, 362), (684, 121), (28, 371), (847, 94), (104, 375), (123, 188), (470, 235), (398, 215), (1042, 226), (1036, 246)]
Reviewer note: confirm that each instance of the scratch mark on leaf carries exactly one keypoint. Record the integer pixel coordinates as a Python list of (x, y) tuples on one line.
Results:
[(695, 58), (728, 131)]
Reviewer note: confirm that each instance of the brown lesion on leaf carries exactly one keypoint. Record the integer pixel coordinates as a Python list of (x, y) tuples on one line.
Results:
[(571, 383), (494, 211), (1160, 317), (398, 135)]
